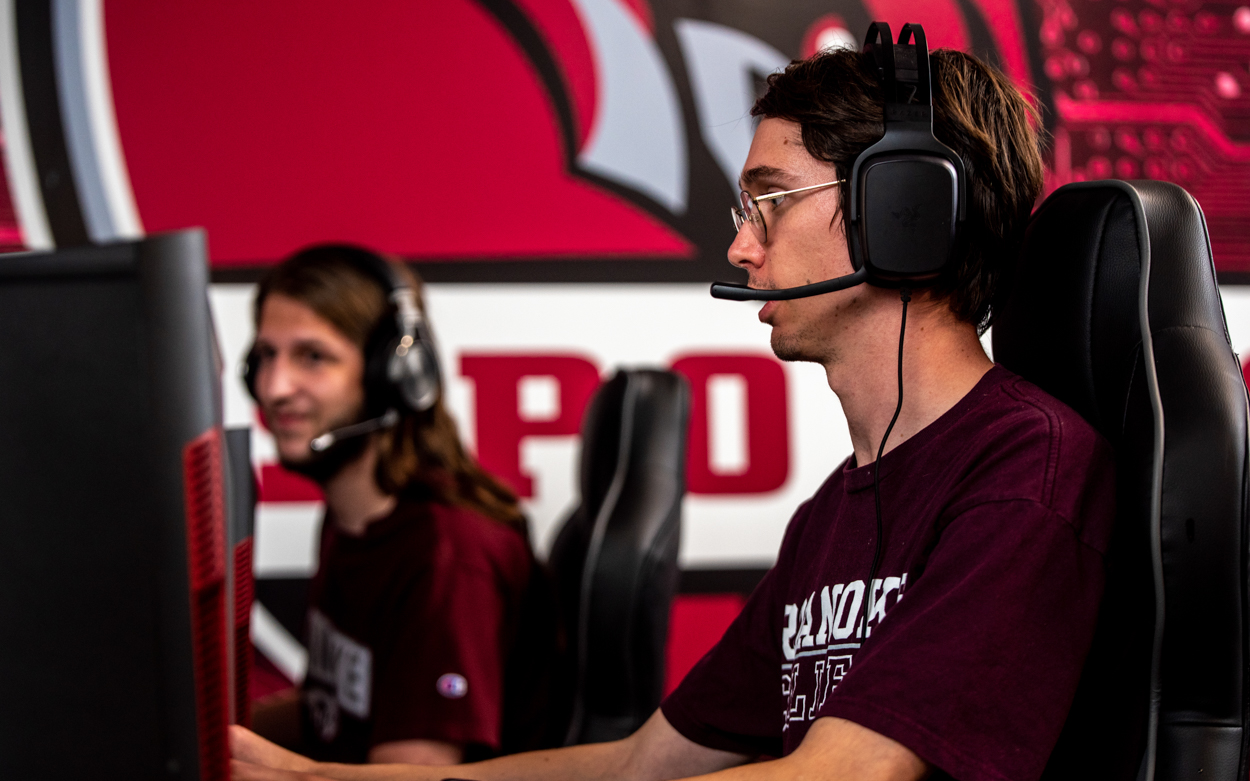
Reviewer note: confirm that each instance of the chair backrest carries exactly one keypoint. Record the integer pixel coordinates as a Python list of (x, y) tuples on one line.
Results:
[(1115, 311), (615, 558)]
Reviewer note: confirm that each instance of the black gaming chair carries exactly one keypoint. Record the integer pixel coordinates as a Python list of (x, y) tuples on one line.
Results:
[(615, 558), (1115, 311)]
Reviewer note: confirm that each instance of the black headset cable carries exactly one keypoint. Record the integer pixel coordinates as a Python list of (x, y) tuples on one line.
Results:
[(905, 295)]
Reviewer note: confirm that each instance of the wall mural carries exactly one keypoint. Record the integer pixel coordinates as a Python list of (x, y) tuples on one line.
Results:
[(508, 134), (503, 145)]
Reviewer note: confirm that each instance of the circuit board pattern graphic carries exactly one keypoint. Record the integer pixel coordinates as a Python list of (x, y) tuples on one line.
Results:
[(1156, 89)]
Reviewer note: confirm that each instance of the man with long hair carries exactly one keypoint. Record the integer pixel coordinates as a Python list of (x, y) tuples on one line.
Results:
[(426, 588), (959, 655)]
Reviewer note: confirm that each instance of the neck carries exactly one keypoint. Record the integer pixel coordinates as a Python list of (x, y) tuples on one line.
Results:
[(942, 361), (353, 496)]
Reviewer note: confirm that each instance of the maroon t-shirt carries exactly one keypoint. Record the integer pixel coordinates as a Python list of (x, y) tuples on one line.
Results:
[(996, 517), (410, 628)]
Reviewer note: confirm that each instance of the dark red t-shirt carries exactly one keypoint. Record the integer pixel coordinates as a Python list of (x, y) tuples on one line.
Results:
[(410, 628), (997, 516)]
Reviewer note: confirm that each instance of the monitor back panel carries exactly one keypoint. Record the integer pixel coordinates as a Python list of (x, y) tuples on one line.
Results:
[(96, 666)]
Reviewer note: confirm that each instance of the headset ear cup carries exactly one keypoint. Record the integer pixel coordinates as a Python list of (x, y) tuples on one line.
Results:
[(380, 393), (414, 373)]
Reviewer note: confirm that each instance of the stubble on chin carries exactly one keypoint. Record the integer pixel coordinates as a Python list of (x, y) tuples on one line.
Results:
[(807, 345)]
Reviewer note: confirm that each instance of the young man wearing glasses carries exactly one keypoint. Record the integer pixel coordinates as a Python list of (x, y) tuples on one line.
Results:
[(961, 658)]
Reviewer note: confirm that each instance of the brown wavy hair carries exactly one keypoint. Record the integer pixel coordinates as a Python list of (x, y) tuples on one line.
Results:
[(423, 453), (977, 112)]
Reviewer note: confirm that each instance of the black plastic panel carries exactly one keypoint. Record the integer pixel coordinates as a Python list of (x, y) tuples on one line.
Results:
[(910, 205)]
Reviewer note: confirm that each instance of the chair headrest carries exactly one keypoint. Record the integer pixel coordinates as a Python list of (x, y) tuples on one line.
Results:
[(1070, 322), (652, 400)]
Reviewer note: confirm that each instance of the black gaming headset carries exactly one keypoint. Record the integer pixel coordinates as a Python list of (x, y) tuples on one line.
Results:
[(401, 365), (907, 190)]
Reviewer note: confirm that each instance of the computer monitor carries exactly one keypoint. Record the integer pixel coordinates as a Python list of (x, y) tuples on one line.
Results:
[(114, 657)]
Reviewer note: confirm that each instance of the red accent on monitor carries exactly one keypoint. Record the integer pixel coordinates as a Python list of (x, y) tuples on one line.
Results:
[(243, 594), (206, 565)]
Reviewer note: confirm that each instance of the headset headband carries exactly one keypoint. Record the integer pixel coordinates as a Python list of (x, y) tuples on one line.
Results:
[(376, 267), (903, 72), (408, 318)]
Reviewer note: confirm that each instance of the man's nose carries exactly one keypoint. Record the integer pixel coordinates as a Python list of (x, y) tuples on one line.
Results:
[(746, 250), (275, 380)]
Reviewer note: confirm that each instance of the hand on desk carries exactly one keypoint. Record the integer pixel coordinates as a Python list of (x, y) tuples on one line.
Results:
[(255, 759), (242, 771), (250, 750)]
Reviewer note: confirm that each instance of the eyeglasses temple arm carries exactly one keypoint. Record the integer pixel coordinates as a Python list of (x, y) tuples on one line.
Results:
[(770, 196)]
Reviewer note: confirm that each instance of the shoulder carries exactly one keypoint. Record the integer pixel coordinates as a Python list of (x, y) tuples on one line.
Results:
[(1025, 444), (1025, 422), (469, 541)]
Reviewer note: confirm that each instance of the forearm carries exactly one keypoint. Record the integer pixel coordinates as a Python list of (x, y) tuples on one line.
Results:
[(593, 762), (788, 769), (258, 760), (417, 752), (834, 750), (656, 752)]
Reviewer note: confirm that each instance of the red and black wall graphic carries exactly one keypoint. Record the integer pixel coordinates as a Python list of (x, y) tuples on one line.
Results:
[(594, 140), (503, 144)]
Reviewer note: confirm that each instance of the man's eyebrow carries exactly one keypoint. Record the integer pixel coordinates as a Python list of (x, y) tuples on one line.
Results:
[(299, 343), (311, 343), (759, 172)]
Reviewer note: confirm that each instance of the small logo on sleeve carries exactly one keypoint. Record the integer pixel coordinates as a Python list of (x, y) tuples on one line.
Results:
[(452, 686)]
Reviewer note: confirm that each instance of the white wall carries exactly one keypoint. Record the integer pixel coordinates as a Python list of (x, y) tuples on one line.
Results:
[(613, 325)]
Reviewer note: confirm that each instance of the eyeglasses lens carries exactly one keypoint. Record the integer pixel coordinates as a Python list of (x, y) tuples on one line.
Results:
[(750, 212)]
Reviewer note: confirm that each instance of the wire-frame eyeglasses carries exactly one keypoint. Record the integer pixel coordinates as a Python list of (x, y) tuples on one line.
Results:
[(750, 209)]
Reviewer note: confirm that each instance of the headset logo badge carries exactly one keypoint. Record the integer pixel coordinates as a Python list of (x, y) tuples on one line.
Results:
[(909, 216)]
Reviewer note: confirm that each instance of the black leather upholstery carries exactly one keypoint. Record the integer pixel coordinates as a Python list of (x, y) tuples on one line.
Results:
[(1072, 324), (615, 558)]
